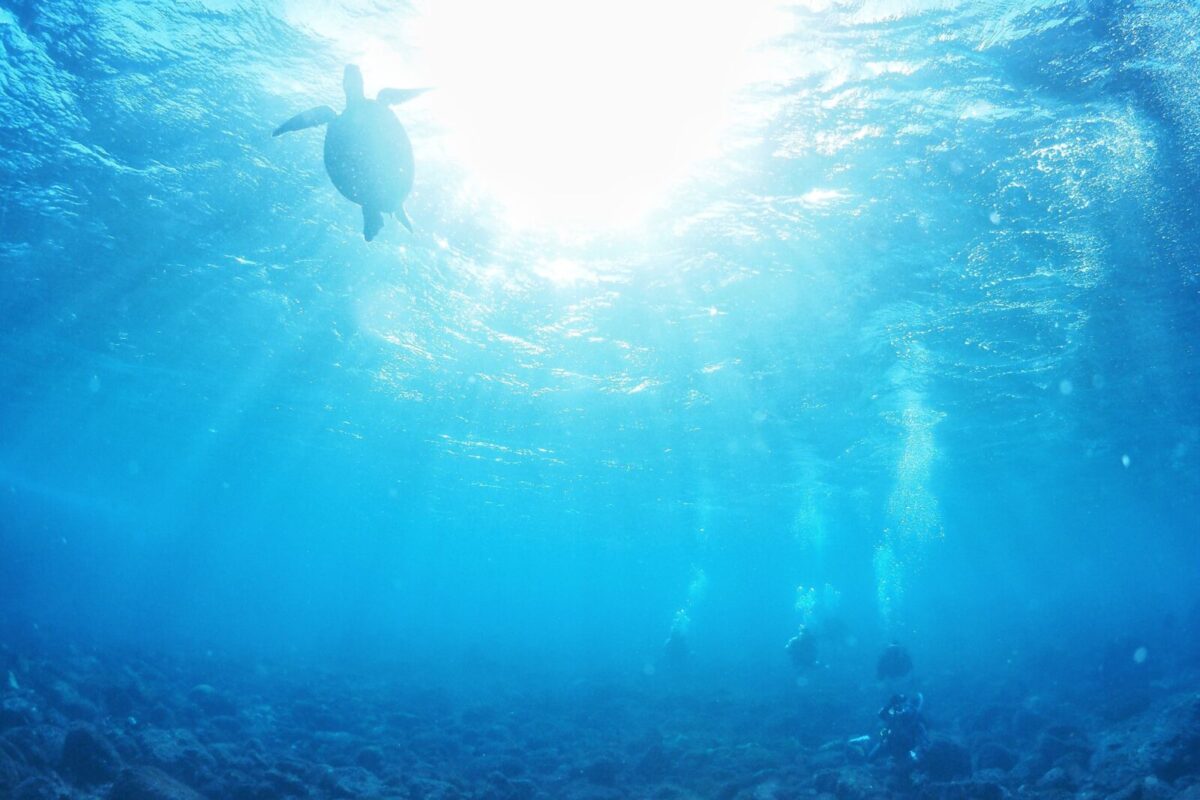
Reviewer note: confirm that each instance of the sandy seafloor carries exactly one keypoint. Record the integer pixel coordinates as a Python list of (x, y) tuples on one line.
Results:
[(129, 724)]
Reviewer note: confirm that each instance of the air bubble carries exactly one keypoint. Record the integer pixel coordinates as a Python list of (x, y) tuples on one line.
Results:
[(1065, 386), (1125, 461), (1139, 655)]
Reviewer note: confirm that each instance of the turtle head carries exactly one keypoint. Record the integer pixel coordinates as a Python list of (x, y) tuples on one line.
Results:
[(352, 83)]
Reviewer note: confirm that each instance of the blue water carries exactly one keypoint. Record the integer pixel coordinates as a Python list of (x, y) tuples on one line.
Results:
[(913, 346)]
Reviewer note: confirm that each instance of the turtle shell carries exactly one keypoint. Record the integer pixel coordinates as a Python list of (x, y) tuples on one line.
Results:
[(368, 156)]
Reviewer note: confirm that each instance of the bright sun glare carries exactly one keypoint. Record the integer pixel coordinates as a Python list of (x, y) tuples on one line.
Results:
[(582, 114)]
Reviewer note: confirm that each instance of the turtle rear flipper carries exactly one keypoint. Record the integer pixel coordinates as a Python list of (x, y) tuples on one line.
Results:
[(402, 218), (321, 115), (372, 222)]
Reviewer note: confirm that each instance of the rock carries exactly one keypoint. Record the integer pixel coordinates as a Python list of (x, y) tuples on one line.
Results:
[(996, 776), (991, 719), (1115, 764), (995, 756), (853, 784), (729, 790), (521, 789), (402, 720), (603, 771), (963, 790), (40, 788), (666, 791), (826, 782), (512, 767), (240, 755), (594, 793), (65, 698), (38, 746), (1151, 788), (178, 752), (286, 785), (211, 701), (429, 789), (1027, 722), (1060, 742), (501, 788), (225, 725), (17, 711), (150, 783), (1175, 750), (118, 700), (11, 772), (237, 785), (158, 714), (351, 782), (88, 757), (1055, 778), (1190, 793), (945, 760), (370, 758), (834, 755), (1119, 706), (655, 763)]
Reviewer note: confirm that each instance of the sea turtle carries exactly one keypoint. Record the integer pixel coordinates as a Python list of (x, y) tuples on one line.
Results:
[(367, 153)]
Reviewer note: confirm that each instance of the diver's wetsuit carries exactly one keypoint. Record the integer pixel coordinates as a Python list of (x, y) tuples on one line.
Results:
[(903, 735)]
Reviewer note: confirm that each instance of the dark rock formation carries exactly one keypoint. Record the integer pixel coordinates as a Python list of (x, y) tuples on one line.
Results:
[(945, 760), (88, 757), (995, 756), (149, 783), (1175, 749)]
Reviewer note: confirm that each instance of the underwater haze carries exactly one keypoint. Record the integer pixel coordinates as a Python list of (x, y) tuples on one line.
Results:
[(858, 322)]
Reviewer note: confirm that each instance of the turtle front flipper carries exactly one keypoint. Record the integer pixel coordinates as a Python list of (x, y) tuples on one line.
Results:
[(321, 115), (394, 97), (372, 222)]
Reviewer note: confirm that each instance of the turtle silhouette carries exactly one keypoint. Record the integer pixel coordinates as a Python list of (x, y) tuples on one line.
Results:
[(367, 153)]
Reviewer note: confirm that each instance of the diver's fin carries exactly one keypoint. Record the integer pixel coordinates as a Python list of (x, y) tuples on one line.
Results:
[(321, 115), (393, 97), (372, 222), (403, 218)]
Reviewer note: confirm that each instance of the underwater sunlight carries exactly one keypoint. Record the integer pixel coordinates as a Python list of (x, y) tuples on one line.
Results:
[(576, 116)]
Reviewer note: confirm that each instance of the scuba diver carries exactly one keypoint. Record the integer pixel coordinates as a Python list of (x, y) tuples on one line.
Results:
[(675, 648), (903, 736), (894, 662), (802, 649)]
